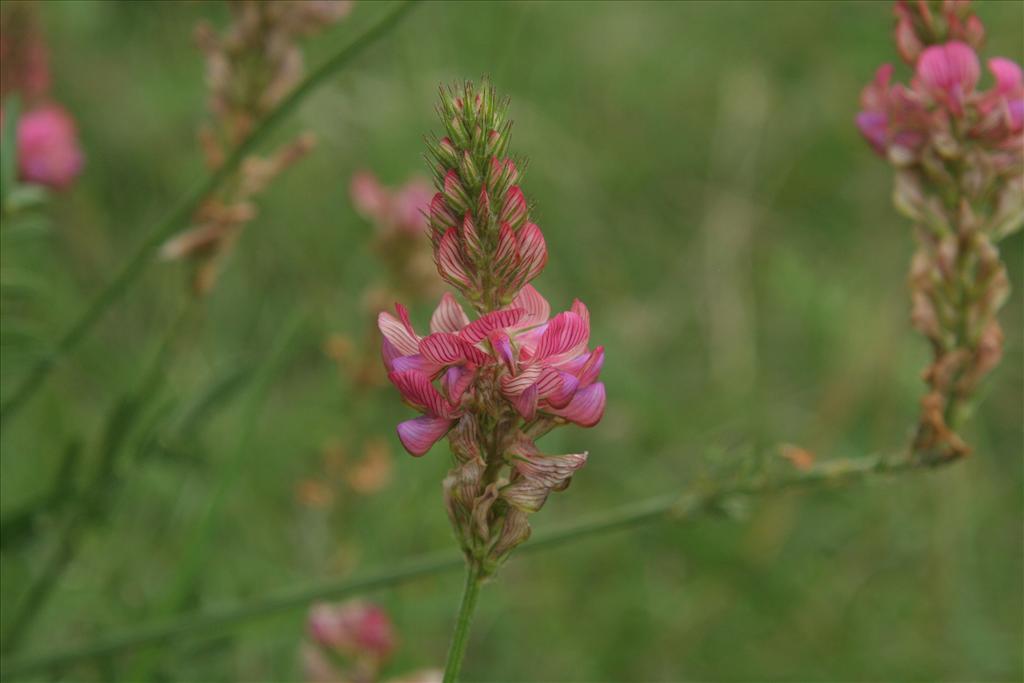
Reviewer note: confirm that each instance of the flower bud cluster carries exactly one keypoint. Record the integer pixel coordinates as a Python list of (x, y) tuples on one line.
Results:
[(47, 139), (958, 152), (494, 384), (250, 68)]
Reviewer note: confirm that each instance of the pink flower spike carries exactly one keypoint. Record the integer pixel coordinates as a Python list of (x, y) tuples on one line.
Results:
[(418, 435), (48, 151), (949, 72), (586, 408)]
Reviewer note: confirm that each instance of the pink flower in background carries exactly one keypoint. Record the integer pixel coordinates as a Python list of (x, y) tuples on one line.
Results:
[(542, 366), (48, 151), (394, 210), (352, 628)]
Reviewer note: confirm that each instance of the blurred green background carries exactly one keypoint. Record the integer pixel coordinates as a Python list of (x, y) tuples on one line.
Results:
[(702, 188)]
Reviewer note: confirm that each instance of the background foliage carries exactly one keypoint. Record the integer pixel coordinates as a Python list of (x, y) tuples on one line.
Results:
[(701, 187)]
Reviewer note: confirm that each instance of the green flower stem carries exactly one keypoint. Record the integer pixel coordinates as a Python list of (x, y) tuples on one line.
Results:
[(460, 636), (673, 506), (182, 213)]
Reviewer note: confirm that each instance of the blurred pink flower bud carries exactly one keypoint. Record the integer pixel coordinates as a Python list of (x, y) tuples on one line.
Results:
[(352, 628), (403, 210), (48, 151)]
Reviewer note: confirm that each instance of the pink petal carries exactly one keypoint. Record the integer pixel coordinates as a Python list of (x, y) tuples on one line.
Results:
[(515, 385), (591, 369), (505, 252), (414, 362), (455, 382), (389, 353), (580, 309), (557, 388), (448, 316), (533, 251), (416, 388), (535, 307), (396, 332), (420, 434), (1007, 73), (443, 348), (526, 403), (952, 69), (449, 260), (484, 325), (565, 333), (470, 236), (513, 208), (586, 408), (502, 346)]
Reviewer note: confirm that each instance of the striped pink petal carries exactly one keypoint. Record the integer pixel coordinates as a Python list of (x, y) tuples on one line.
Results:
[(470, 237), (485, 324), (586, 408), (532, 250), (535, 307), (398, 333), (389, 353), (415, 362), (420, 434), (556, 388), (565, 333), (591, 369), (443, 348), (449, 260), (505, 252), (526, 403), (513, 207), (514, 385), (448, 316), (455, 382), (416, 388)]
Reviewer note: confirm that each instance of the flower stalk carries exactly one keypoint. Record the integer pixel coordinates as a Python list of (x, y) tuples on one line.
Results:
[(496, 384), (957, 153)]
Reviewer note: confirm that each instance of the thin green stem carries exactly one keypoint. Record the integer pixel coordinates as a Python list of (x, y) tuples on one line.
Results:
[(673, 506), (460, 636), (183, 212)]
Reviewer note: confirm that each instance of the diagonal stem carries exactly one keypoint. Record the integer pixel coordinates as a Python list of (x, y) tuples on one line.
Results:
[(184, 210), (460, 636)]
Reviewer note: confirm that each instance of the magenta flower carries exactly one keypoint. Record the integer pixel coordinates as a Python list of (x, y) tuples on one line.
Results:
[(48, 151), (543, 367)]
